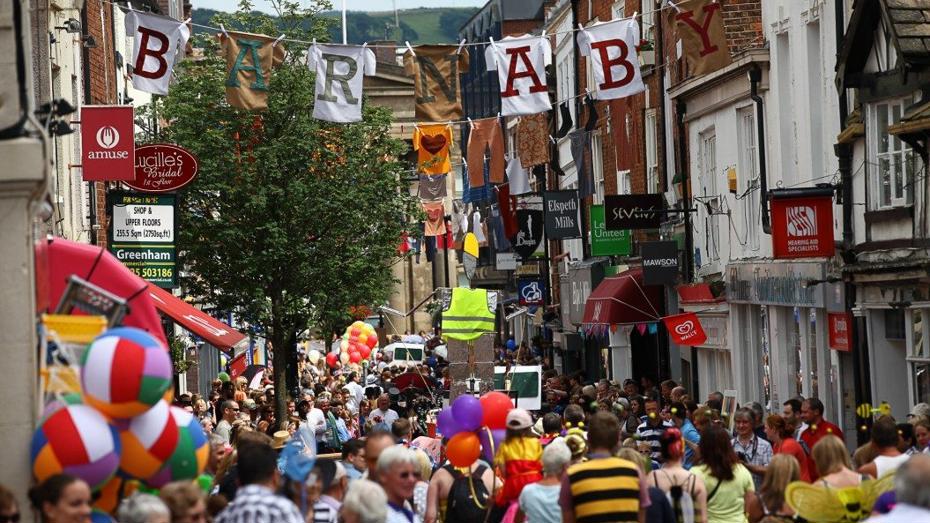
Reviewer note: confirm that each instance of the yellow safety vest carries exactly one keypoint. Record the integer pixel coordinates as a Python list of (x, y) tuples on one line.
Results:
[(469, 315)]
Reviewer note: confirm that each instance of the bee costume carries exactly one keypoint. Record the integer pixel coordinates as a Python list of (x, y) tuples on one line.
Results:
[(819, 503)]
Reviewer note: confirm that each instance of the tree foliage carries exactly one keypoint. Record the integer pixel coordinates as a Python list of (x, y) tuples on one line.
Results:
[(291, 220)]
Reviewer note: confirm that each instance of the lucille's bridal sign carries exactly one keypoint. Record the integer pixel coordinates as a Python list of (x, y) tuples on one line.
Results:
[(163, 168)]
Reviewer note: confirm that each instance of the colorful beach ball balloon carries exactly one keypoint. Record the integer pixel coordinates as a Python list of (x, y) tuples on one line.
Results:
[(76, 440), (72, 398), (148, 440), (108, 497), (125, 371), (191, 454)]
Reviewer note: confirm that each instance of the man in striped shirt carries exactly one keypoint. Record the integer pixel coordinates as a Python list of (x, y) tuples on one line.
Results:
[(604, 488), (652, 428), (256, 501)]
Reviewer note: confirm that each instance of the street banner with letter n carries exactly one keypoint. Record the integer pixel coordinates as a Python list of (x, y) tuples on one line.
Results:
[(685, 329), (802, 223)]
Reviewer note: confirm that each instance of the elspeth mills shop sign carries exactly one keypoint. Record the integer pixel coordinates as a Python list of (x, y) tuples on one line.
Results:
[(107, 143), (561, 215)]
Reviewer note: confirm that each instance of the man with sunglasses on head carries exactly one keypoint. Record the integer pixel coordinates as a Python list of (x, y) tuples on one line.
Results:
[(230, 412)]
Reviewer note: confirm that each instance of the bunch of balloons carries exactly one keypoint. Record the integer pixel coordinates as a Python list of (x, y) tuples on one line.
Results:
[(120, 427), (357, 343), (474, 427)]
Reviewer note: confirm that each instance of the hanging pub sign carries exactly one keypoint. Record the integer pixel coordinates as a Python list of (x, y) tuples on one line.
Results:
[(107, 143), (470, 251), (605, 242), (840, 325), (163, 167), (633, 211), (561, 215), (529, 232), (802, 223), (660, 263), (685, 329), (532, 291), (142, 235)]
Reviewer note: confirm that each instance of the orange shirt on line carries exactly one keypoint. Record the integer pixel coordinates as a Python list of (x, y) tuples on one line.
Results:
[(432, 143)]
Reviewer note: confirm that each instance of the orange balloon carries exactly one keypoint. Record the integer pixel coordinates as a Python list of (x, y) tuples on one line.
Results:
[(463, 449)]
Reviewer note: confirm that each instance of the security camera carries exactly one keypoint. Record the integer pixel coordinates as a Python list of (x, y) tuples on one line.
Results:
[(72, 25)]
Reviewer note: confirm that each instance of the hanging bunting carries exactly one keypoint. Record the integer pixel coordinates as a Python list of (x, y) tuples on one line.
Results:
[(611, 46), (435, 70), (521, 63), (435, 221), (339, 74), (158, 42), (432, 187), (653, 328), (432, 144), (249, 60), (641, 328), (699, 26)]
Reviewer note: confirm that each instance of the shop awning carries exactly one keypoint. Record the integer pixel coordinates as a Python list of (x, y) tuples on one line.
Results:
[(97, 266), (697, 293), (215, 332), (623, 299)]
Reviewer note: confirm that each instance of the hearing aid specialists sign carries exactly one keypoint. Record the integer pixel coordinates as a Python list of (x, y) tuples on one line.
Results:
[(108, 143)]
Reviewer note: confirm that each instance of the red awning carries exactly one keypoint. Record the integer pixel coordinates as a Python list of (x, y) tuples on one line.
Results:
[(697, 293), (101, 268), (623, 299), (215, 332)]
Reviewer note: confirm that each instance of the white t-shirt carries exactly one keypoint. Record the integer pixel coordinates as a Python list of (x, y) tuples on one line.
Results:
[(616, 42), (388, 417), (339, 93), (524, 92), (518, 178), (155, 72), (317, 422), (358, 394)]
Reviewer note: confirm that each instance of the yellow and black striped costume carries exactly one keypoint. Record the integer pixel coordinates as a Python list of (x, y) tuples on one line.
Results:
[(605, 490)]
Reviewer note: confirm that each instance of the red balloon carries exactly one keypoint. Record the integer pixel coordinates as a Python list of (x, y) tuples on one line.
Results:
[(355, 357), (496, 405), (332, 359), (365, 352), (372, 341), (463, 449), (354, 332)]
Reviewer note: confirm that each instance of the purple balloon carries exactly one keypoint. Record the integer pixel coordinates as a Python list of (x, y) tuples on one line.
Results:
[(490, 441), (445, 423), (468, 412)]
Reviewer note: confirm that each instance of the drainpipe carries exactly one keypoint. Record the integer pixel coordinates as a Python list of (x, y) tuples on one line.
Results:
[(755, 77)]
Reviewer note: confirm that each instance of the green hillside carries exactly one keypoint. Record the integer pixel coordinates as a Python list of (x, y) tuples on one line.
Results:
[(418, 26)]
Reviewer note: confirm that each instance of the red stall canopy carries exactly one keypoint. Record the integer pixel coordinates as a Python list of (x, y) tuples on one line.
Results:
[(97, 266), (623, 299), (215, 332)]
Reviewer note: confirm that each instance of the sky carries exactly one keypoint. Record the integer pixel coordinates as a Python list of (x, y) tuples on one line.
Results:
[(352, 5)]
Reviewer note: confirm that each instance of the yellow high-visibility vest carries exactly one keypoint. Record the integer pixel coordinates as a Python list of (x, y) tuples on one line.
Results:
[(470, 314)]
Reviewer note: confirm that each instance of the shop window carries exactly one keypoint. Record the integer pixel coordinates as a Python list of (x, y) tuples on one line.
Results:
[(919, 357), (710, 194), (597, 165), (748, 173), (652, 153)]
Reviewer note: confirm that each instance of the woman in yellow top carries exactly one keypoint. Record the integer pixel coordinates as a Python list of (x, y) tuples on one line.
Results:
[(519, 458), (726, 480)]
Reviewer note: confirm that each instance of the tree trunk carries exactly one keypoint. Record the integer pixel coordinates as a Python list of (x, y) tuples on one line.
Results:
[(279, 344)]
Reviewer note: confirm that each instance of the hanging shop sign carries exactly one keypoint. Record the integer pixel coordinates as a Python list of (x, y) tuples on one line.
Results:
[(779, 283), (840, 328), (505, 261), (582, 279), (685, 329), (529, 232), (532, 291), (633, 211), (142, 235), (802, 223), (660, 262), (561, 215), (107, 143), (163, 168), (605, 242)]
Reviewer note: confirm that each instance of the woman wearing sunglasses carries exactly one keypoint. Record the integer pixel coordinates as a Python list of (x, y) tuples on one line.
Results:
[(9, 509)]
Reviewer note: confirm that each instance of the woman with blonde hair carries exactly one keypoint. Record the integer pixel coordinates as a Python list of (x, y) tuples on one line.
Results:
[(833, 465), (768, 505), (186, 502)]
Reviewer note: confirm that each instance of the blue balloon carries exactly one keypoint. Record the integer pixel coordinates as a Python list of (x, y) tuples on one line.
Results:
[(445, 423), (511, 344)]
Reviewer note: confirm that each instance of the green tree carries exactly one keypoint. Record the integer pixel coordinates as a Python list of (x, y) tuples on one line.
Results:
[(291, 219)]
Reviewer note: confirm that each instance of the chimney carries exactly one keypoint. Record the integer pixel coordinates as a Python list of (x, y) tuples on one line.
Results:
[(385, 51)]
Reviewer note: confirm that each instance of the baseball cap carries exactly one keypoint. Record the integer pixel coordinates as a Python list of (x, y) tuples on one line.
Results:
[(921, 409), (519, 419)]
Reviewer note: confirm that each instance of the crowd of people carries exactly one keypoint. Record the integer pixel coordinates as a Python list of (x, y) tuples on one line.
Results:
[(356, 447)]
